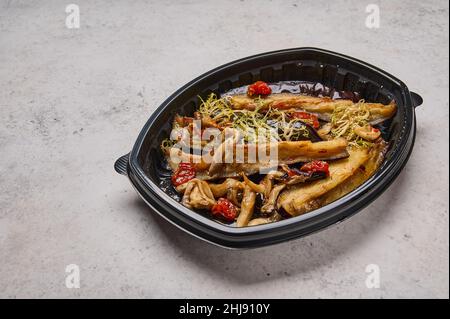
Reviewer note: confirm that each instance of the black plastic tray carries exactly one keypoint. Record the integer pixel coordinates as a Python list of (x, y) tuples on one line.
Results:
[(143, 164)]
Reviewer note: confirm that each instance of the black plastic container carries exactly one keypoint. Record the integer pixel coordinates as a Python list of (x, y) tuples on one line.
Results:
[(143, 164)]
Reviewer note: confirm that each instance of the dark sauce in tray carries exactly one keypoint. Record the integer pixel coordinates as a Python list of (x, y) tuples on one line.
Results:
[(296, 87), (305, 88)]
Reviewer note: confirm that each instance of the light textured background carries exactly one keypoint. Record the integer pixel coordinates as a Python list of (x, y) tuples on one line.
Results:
[(72, 101)]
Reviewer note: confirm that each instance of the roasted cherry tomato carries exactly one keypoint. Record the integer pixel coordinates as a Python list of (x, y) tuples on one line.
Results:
[(224, 209), (311, 119), (316, 166), (259, 88), (184, 173)]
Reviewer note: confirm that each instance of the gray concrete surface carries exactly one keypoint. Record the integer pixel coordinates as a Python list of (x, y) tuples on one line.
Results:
[(73, 100)]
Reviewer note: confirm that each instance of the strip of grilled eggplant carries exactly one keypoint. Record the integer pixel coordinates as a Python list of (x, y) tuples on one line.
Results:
[(322, 106), (376, 156), (345, 176), (288, 153), (301, 198)]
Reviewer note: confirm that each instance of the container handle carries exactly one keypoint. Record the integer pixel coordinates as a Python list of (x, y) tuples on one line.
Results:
[(121, 164), (417, 100)]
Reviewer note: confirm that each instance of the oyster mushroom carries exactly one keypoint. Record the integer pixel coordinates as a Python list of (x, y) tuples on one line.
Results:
[(261, 221), (367, 132), (197, 194), (247, 207), (269, 205)]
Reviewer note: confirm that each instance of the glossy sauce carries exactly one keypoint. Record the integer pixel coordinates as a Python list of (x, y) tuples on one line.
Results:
[(302, 87)]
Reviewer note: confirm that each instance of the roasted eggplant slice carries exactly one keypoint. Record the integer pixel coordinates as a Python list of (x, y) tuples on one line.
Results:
[(287, 153), (322, 106), (302, 198), (376, 156)]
